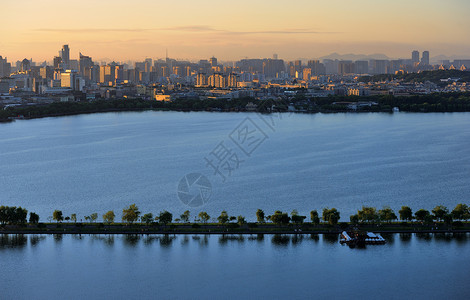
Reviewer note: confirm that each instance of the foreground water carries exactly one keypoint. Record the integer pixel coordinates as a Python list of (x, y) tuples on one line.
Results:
[(95, 163), (232, 267)]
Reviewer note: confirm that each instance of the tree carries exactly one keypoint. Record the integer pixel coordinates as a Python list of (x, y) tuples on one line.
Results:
[(331, 216), (461, 212), (439, 212), (223, 218), (368, 214), (147, 218), (57, 216), (130, 214), (354, 219), (405, 213), (241, 220), (204, 216), (387, 214), (422, 215), (109, 217), (298, 219), (165, 217), (73, 217), (33, 218), (280, 218), (314, 217), (67, 218), (232, 218), (260, 216), (93, 217), (185, 216)]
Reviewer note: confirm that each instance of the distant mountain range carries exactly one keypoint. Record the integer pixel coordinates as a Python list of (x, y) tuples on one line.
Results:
[(354, 57)]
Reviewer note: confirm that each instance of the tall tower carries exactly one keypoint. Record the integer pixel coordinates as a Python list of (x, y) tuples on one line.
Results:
[(415, 56), (65, 55), (213, 61), (425, 58)]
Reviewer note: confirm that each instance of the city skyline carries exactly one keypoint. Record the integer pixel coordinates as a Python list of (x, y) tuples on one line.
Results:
[(120, 31)]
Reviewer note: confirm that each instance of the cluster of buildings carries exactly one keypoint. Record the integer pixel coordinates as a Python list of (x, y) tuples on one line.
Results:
[(67, 79)]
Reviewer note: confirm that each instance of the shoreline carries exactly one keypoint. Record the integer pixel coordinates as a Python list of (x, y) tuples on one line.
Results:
[(222, 230)]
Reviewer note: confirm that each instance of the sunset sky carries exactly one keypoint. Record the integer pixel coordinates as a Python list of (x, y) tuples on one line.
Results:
[(231, 30)]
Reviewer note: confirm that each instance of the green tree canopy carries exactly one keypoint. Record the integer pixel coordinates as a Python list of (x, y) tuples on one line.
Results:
[(165, 217), (405, 213), (130, 214), (204, 216), (387, 214), (422, 215), (280, 218), (260, 216), (33, 218), (461, 212), (314, 217), (185, 216), (147, 218), (94, 217), (109, 217), (223, 218), (368, 214), (331, 216), (57, 216), (439, 212)]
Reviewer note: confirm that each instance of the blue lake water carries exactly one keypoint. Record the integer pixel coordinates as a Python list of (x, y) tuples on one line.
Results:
[(232, 267), (99, 162)]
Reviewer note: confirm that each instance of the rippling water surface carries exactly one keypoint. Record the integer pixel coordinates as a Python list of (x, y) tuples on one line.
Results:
[(100, 162)]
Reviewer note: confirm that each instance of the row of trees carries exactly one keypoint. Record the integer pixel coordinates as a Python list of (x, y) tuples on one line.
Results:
[(132, 214), (16, 215), (439, 213)]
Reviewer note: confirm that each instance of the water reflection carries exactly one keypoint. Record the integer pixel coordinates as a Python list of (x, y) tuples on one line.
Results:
[(223, 239), (35, 239), (258, 237), (424, 236), (405, 237), (58, 237), (13, 241), (389, 237), (297, 239), (315, 237), (131, 239), (280, 239), (331, 238)]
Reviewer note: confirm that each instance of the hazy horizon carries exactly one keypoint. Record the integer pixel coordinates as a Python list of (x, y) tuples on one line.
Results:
[(122, 30)]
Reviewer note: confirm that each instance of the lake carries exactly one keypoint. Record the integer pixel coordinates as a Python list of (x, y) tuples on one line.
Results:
[(99, 162), (409, 266)]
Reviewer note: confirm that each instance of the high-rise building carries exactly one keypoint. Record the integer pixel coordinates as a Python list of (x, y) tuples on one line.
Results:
[(25, 65), (5, 67), (415, 57), (425, 58), (345, 67), (217, 81), (317, 67), (213, 62), (107, 74), (85, 62), (361, 67), (65, 55), (201, 79)]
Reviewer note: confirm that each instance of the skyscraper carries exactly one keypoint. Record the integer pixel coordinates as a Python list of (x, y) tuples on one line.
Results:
[(65, 55), (415, 56), (425, 58)]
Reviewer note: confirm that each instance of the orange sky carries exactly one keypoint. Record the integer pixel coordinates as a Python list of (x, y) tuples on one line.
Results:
[(122, 30)]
